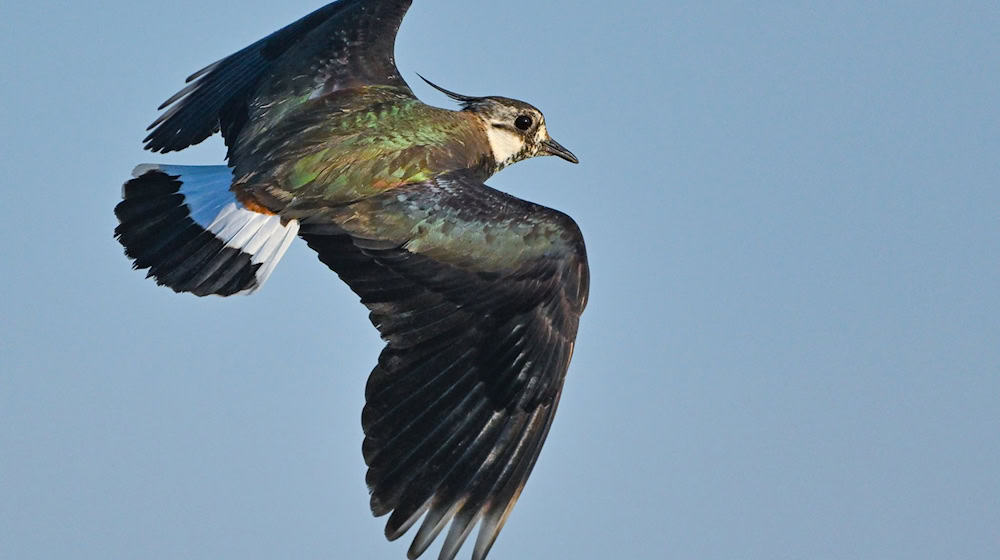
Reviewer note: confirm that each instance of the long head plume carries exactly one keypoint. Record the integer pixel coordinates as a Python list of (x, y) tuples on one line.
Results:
[(467, 101)]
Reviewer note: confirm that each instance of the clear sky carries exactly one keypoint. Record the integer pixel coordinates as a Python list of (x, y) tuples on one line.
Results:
[(792, 348)]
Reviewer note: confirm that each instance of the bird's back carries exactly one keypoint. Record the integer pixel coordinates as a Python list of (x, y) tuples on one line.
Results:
[(349, 145)]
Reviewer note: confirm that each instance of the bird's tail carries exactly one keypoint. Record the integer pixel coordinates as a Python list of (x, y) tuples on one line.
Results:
[(186, 226)]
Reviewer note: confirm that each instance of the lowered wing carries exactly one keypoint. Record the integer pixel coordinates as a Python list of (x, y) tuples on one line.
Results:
[(478, 296)]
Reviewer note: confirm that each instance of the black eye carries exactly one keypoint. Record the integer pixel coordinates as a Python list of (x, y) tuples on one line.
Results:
[(523, 122)]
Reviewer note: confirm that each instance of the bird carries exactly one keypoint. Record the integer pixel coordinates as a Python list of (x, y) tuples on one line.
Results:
[(476, 294)]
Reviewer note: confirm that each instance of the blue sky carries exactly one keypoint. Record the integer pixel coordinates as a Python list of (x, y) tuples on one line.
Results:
[(791, 350)]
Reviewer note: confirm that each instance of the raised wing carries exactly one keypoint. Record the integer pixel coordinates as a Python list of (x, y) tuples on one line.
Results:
[(347, 43), (478, 296)]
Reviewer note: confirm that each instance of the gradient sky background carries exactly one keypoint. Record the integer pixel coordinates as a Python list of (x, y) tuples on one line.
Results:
[(792, 348)]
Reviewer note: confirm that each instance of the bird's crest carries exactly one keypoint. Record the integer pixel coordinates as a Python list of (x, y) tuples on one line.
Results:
[(467, 101)]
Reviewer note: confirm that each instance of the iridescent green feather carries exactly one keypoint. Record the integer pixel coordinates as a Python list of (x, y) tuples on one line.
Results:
[(351, 145), (475, 228)]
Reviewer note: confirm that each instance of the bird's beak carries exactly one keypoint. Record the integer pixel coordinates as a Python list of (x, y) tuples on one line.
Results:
[(553, 148)]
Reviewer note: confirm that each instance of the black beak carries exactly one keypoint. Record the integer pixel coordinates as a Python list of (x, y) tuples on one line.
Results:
[(553, 148)]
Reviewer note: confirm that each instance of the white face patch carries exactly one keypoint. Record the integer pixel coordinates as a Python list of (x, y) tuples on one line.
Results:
[(504, 143)]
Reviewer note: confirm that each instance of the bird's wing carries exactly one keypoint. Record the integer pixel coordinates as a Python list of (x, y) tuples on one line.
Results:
[(347, 43), (478, 296)]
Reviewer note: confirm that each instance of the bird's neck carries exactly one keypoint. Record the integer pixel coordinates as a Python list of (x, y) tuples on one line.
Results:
[(475, 144)]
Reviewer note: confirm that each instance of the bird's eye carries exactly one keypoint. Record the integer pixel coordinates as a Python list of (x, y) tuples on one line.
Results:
[(523, 122)]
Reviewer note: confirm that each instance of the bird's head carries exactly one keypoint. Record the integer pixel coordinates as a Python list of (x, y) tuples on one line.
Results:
[(515, 129)]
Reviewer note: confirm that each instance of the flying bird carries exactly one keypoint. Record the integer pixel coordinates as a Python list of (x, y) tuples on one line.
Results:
[(477, 294)]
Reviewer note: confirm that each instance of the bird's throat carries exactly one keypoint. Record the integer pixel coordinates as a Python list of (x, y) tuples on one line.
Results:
[(505, 145)]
